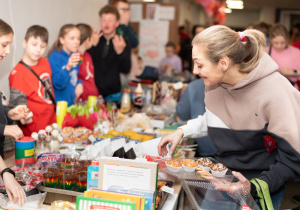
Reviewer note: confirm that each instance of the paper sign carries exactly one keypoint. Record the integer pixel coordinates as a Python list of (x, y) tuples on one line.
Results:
[(126, 176), (166, 13), (154, 35), (136, 11)]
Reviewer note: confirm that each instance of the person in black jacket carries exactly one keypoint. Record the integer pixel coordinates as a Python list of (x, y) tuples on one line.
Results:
[(111, 55), (13, 189)]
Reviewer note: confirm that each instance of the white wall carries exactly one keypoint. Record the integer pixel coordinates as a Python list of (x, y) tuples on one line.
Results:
[(52, 14), (242, 18), (192, 12)]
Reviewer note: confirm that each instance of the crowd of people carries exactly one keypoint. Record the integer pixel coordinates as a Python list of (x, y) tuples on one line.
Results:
[(246, 91)]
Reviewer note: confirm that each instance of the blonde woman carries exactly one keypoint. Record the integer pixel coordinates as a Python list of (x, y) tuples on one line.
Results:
[(252, 113)]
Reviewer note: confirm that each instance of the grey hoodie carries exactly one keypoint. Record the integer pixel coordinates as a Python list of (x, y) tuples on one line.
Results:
[(243, 120)]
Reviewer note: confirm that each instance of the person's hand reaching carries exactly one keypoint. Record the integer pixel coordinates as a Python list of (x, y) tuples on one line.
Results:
[(13, 189), (242, 187), (173, 138), (14, 131)]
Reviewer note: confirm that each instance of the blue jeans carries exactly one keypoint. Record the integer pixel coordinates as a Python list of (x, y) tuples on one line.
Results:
[(276, 197)]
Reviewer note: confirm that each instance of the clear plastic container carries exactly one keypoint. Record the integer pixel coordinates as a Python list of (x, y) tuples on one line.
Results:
[(203, 195)]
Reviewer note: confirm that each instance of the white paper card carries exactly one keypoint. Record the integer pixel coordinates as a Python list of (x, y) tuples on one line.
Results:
[(136, 11), (166, 12), (126, 177)]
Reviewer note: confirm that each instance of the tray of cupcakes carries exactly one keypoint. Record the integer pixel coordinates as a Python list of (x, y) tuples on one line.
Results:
[(195, 168)]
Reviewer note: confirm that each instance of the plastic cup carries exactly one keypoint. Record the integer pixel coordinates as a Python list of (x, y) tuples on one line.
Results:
[(61, 111), (68, 180), (82, 181), (92, 101), (69, 161), (86, 160), (50, 179)]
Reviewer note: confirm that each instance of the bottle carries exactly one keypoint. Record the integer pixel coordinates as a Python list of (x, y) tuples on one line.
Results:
[(148, 97), (125, 101), (138, 96)]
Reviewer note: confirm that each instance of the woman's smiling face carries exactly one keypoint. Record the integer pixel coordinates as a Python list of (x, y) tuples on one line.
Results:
[(5, 42), (211, 73)]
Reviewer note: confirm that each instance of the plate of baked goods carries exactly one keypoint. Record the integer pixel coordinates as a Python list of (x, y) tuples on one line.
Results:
[(206, 168)]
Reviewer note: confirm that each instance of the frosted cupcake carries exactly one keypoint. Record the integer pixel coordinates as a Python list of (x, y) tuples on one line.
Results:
[(189, 165), (218, 169), (174, 165), (205, 163)]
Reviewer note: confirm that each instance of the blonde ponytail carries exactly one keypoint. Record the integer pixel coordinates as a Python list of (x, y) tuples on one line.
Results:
[(219, 41)]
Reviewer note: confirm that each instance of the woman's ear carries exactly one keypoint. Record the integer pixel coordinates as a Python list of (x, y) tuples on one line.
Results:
[(224, 63)]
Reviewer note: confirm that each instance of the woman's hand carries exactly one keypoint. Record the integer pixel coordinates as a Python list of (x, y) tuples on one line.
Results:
[(13, 189), (173, 138), (73, 61), (14, 131), (78, 90), (19, 112), (242, 187)]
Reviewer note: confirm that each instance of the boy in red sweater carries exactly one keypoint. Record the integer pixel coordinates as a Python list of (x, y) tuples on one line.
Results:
[(26, 88)]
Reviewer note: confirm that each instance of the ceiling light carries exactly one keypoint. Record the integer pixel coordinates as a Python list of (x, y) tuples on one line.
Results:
[(149, 0), (235, 4), (227, 10)]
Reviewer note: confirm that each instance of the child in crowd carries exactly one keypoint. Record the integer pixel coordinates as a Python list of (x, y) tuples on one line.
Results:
[(170, 65), (111, 55), (126, 30), (13, 189), (26, 87), (285, 55), (63, 58), (86, 68)]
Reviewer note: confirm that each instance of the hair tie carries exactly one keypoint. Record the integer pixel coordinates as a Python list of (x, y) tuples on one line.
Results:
[(242, 36)]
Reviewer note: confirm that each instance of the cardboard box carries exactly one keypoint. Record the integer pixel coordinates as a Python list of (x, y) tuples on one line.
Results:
[(162, 123), (54, 194)]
